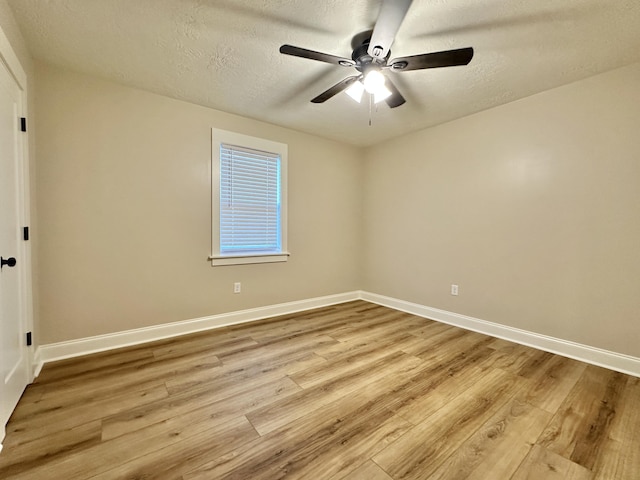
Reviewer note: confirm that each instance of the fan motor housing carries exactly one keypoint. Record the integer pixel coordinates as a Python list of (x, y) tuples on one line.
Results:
[(362, 58)]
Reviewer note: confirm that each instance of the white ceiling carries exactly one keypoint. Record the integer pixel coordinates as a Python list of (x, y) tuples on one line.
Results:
[(224, 53)]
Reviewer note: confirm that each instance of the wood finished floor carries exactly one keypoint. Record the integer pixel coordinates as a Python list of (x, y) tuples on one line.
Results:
[(354, 391)]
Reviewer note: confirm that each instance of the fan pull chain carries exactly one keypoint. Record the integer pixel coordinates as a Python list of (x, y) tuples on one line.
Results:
[(370, 107)]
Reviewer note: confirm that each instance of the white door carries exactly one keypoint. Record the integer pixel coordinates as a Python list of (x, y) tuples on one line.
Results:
[(14, 361)]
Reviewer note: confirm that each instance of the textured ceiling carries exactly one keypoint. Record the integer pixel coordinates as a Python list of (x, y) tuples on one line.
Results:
[(224, 53)]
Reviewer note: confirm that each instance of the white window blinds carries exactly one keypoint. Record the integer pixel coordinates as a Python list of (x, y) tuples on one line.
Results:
[(250, 213)]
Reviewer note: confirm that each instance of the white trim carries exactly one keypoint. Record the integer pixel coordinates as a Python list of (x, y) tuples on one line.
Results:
[(11, 60), (249, 259), (219, 137), (585, 353), (38, 363), (84, 346)]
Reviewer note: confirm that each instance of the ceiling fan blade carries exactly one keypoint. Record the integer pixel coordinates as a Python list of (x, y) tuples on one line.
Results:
[(448, 58), (337, 88), (313, 55), (392, 13), (395, 99)]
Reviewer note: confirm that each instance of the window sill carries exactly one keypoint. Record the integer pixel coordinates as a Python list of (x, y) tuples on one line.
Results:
[(221, 260)]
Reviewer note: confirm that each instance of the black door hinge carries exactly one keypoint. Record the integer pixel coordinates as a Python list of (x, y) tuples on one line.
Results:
[(25, 233), (23, 124), (29, 340)]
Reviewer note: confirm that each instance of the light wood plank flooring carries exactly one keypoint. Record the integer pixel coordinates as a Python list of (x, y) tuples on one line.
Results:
[(354, 391)]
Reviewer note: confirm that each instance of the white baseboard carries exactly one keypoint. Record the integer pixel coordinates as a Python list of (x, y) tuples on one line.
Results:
[(100, 343), (37, 363), (596, 356)]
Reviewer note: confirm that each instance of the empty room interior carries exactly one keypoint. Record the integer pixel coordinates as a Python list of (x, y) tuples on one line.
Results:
[(371, 239)]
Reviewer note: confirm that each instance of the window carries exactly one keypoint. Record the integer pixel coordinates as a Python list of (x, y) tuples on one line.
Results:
[(249, 180)]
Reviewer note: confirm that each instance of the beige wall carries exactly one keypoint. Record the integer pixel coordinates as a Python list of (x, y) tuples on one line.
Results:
[(532, 208), (124, 205)]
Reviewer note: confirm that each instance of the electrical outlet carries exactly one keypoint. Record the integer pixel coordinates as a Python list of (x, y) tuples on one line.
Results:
[(454, 289), (237, 287)]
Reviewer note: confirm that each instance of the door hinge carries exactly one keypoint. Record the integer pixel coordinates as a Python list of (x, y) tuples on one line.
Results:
[(23, 124), (25, 233), (29, 340)]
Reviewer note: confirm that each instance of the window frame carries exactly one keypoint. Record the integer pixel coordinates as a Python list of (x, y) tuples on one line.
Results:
[(219, 137)]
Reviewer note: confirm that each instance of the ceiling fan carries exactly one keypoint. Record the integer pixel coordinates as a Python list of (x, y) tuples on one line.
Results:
[(370, 58)]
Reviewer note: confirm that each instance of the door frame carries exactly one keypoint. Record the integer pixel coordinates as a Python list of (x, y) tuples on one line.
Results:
[(10, 60)]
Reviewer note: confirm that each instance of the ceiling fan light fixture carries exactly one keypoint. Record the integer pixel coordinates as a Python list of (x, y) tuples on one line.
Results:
[(355, 91), (370, 57), (373, 81)]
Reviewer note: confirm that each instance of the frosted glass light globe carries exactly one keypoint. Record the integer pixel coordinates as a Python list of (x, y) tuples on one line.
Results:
[(373, 81), (355, 91)]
